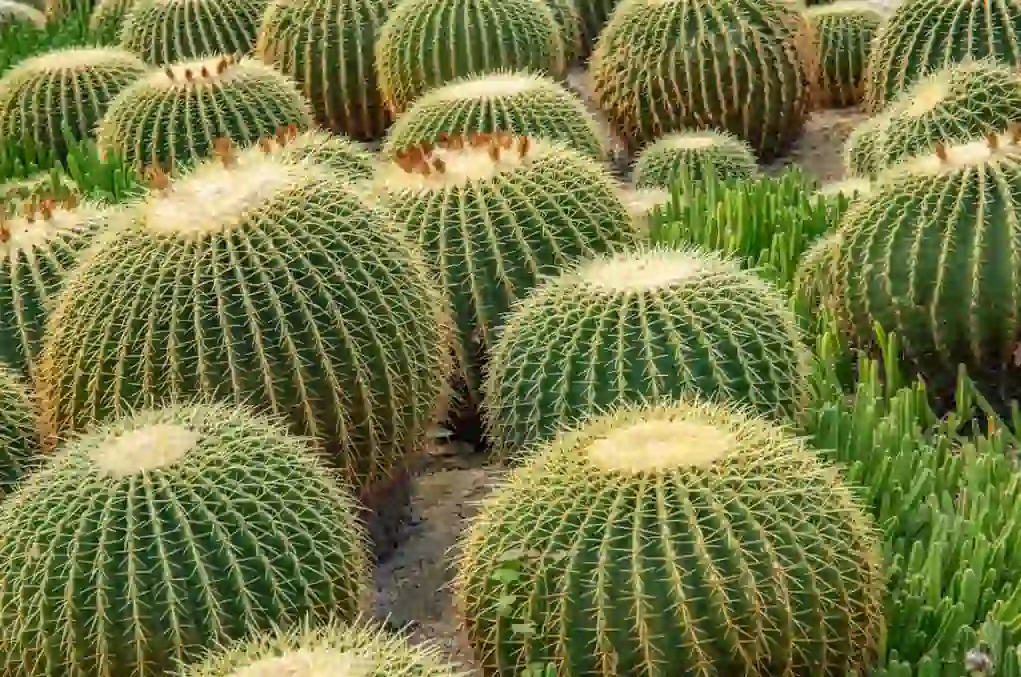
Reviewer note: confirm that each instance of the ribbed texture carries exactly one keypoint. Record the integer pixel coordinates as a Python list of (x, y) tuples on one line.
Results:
[(843, 34), (663, 162), (20, 448)]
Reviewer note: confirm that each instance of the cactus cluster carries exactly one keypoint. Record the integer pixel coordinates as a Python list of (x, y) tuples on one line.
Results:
[(173, 116), (20, 448), (638, 327), (931, 253), (327, 47), (922, 36), (38, 248), (688, 154), (520, 102), (170, 31), (957, 104), (842, 33), (70, 88), (174, 530), (663, 65), (665, 536), (495, 213), (264, 282), (463, 37)]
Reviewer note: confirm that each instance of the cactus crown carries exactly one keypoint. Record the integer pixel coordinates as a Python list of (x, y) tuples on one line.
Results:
[(309, 662), (198, 72), (456, 160), (844, 7), (217, 193), (73, 59), (641, 201), (144, 449), (658, 268), (490, 85), (926, 97), (853, 186), (40, 221), (946, 159), (658, 445), (694, 140)]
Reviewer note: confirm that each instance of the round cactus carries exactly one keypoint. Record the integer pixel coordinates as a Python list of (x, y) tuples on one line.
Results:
[(683, 514), (20, 448), (642, 203), (658, 323), (345, 157), (196, 525), (331, 648), (848, 188), (64, 10), (37, 250), (931, 254), (511, 102), (662, 163), (863, 149), (172, 117), (960, 103), (814, 276), (107, 19), (327, 47), (922, 36), (257, 281), (168, 31), (594, 15), (495, 214), (842, 34), (665, 65), (427, 43), (568, 20), (66, 87), (12, 13)]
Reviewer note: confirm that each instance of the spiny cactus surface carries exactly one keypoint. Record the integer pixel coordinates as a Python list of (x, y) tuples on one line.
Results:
[(71, 87), (169, 31), (957, 104), (346, 157), (520, 103), (663, 162), (427, 43), (636, 327), (863, 148), (327, 47), (932, 254), (172, 117), (673, 538), (842, 34), (17, 13), (496, 213), (922, 36), (173, 531), (665, 65), (20, 447), (107, 18), (38, 248), (261, 282)]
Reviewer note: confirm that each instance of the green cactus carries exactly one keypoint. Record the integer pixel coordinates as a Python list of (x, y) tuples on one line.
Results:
[(666, 65), (594, 16), (814, 276), (107, 19), (257, 281), (960, 103), (842, 34), (931, 254), (166, 32), (568, 20), (172, 117), (67, 10), (922, 36), (678, 539), (427, 43), (494, 214), (330, 648), (174, 530), (17, 13), (342, 155), (641, 204), (664, 161), (326, 46), (37, 250), (38, 186), (512, 102), (20, 445), (863, 149), (658, 322), (66, 87)]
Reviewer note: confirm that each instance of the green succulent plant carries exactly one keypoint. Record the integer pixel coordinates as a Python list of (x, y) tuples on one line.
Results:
[(17, 13), (70, 87), (107, 19), (863, 149), (40, 185), (427, 43), (173, 117), (165, 32), (664, 535), (343, 155), (662, 66), (922, 36), (327, 47), (494, 214), (842, 34), (662, 163), (640, 326), (174, 530), (20, 444), (519, 103)]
